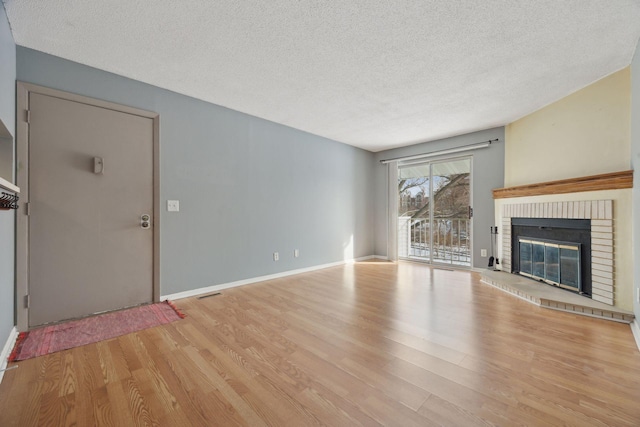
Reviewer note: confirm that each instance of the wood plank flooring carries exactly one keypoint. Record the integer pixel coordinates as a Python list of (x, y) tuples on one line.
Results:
[(369, 344)]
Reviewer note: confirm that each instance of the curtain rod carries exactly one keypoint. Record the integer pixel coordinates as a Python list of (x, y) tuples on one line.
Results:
[(460, 149)]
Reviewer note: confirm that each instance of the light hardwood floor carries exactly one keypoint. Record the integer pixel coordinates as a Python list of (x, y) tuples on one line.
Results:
[(367, 344)]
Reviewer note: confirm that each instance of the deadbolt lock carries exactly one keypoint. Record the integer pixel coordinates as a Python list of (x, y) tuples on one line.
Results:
[(145, 221)]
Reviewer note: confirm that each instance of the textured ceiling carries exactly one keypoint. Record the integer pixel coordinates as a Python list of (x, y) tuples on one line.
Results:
[(375, 75)]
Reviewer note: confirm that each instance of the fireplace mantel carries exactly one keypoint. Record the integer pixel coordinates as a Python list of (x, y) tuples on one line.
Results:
[(607, 181)]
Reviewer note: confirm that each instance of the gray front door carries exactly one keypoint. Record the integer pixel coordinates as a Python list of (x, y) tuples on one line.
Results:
[(90, 182)]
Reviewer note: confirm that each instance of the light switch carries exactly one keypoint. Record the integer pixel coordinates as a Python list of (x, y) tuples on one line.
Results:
[(173, 205)]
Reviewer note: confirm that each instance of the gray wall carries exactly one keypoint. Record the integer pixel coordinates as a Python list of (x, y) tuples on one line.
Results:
[(247, 187), (7, 218), (488, 173), (635, 165)]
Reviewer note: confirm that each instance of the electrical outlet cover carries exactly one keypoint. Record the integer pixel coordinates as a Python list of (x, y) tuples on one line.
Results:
[(173, 205)]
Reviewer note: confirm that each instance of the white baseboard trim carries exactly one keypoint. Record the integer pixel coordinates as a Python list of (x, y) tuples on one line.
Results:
[(635, 329), (209, 289), (6, 350), (483, 269), (383, 257)]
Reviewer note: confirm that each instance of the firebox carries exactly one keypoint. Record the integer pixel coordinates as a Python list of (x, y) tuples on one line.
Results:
[(557, 263), (555, 251)]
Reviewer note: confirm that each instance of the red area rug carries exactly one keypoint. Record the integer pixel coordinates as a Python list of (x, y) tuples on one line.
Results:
[(75, 333)]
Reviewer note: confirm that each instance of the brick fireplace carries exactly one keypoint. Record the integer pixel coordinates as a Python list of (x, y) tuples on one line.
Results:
[(600, 212)]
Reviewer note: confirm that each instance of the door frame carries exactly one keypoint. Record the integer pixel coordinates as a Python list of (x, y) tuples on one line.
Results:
[(22, 180)]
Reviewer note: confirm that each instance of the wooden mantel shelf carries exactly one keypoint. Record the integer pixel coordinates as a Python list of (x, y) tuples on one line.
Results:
[(607, 181)]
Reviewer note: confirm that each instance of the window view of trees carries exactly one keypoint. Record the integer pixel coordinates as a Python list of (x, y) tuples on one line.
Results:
[(450, 196)]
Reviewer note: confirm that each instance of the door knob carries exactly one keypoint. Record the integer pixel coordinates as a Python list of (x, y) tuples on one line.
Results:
[(145, 221)]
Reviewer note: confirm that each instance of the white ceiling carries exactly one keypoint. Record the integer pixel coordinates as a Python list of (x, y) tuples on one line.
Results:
[(373, 74)]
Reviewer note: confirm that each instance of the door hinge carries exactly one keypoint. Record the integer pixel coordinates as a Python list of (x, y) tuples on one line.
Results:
[(28, 116), (27, 208), (27, 301), (470, 212)]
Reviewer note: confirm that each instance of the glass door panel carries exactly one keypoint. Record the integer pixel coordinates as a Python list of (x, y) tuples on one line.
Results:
[(413, 211), (526, 257), (538, 260), (450, 182)]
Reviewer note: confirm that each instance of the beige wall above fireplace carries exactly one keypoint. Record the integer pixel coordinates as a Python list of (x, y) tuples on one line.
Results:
[(586, 133)]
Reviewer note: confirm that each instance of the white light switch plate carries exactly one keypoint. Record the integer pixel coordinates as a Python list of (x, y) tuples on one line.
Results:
[(173, 205)]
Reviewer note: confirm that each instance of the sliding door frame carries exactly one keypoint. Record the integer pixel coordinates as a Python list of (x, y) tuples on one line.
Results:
[(392, 216)]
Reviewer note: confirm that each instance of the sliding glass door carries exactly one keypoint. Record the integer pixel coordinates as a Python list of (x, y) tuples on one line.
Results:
[(434, 214)]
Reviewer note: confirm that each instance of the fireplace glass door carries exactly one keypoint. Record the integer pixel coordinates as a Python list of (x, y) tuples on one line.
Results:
[(557, 263)]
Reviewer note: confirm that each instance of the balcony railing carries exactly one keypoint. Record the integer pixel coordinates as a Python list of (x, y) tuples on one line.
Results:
[(451, 244)]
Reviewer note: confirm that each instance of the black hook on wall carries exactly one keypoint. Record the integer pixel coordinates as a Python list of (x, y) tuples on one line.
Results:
[(9, 201)]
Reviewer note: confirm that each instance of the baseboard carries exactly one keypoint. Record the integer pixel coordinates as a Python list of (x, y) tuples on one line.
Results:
[(6, 350), (354, 260), (382, 257), (208, 289), (492, 268), (635, 329)]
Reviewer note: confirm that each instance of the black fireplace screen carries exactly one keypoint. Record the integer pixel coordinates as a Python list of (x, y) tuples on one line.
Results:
[(554, 262)]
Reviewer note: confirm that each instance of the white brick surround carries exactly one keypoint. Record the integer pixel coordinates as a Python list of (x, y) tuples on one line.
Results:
[(600, 212)]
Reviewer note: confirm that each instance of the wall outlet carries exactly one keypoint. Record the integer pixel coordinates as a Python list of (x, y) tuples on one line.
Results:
[(276, 256), (296, 253), (173, 205), (483, 252)]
